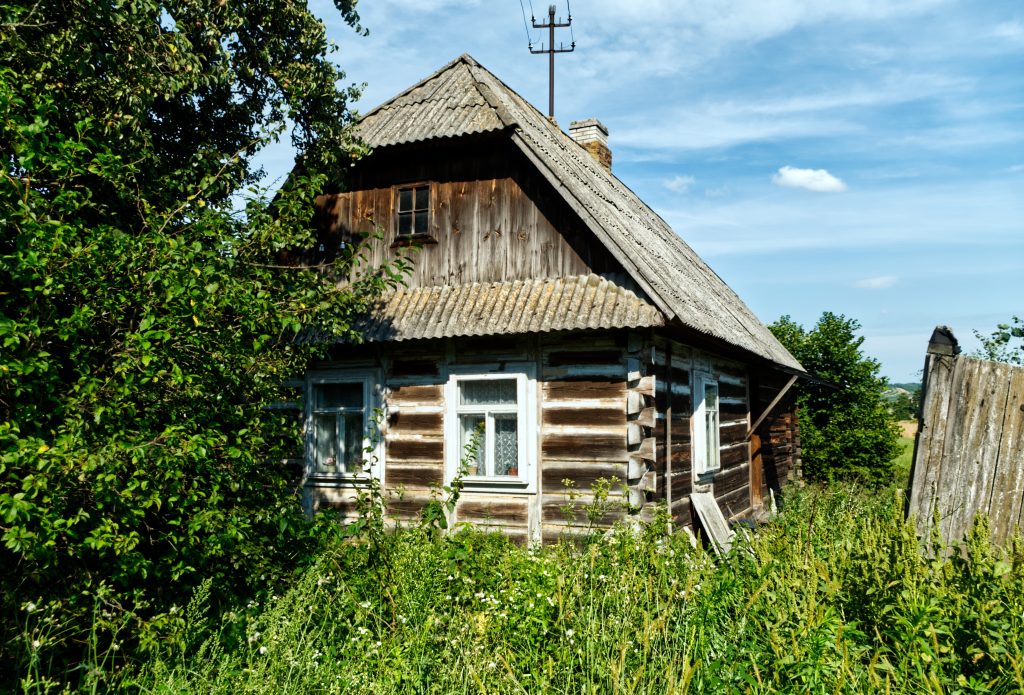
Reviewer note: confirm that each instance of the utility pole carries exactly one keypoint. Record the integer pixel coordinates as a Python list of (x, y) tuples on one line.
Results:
[(551, 51)]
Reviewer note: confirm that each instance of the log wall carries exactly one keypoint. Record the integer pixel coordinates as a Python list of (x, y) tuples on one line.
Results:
[(613, 413), (775, 446)]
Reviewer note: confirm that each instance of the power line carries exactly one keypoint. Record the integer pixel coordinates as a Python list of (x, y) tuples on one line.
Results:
[(529, 38)]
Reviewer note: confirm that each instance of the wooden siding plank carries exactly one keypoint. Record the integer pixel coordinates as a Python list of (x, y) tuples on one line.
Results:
[(584, 417), (1008, 486), (597, 448)]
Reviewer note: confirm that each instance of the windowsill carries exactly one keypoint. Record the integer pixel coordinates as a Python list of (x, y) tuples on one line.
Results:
[(338, 480), (495, 483), (413, 240)]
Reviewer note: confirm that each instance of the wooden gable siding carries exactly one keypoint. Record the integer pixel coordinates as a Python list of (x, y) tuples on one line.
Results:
[(492, 218)]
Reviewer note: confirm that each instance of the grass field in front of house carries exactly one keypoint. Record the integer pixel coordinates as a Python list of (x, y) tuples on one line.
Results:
[(833, 595)]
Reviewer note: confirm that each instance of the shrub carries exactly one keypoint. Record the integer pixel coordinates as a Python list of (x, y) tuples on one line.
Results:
[(846, 430)]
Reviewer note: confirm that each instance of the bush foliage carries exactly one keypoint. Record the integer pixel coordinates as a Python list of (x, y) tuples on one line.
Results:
[(1004, 344), (146, 318), (846, 429)]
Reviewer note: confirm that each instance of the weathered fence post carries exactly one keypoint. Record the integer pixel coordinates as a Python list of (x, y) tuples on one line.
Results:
[(969, 451)]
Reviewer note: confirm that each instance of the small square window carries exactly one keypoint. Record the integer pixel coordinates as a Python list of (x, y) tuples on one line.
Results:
[(412, 210)]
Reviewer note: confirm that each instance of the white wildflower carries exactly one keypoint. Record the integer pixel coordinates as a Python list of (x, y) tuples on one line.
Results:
[(36, 644), (263, 650), (30, 607), (364, 604)]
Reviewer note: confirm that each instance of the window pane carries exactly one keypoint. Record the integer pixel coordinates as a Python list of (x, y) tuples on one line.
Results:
[(468, 425), (346, 395), (352, 425), (421, 223), (711, 422), (487, 392), (405, 200), (711, 397), (506, 445), (422, 198), (405, 223), (325, 443)]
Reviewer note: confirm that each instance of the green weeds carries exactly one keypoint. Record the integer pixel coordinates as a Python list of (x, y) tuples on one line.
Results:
[(833, 596)]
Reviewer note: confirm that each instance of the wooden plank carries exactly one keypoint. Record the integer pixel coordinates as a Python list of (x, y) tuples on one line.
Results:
[(727, 481), (507, 512), (735, 504), (420, 449), (414, 475), (756, 472), (584, 417), (928, 447), (576, 357), (416, 394), (611, 389), (734, 455), (952, 474), (595, 448), (981, 447), (1008, 486), (563, 512), (413, 367), (412, 422), (712, 521), (583, 474)]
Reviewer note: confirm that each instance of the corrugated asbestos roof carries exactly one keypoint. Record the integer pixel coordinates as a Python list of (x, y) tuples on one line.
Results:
[(447, 104), (500, 308), (463, 98)]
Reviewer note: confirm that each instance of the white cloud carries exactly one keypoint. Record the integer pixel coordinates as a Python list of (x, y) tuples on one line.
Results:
[(679, 184), (1012, 31), (877, 283), (817, 180)]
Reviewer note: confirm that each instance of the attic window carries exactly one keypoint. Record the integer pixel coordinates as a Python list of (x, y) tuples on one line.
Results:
[(412, 210)]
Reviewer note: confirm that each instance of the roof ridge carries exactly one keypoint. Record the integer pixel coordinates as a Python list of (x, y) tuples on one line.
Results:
[(464, 58)]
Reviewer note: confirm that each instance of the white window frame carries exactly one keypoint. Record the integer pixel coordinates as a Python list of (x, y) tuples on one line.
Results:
[(526, 429), (701, 465), (373, 444)]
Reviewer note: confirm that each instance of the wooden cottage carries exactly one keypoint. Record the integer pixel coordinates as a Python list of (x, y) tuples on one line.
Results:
[(550, 309)]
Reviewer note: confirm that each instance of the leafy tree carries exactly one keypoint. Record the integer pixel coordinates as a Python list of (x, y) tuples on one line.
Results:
[(846, 431), (147, 319), (999, 345), (904, 405)]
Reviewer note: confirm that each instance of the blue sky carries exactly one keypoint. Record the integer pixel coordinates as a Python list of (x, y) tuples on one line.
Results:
[(864, 157)]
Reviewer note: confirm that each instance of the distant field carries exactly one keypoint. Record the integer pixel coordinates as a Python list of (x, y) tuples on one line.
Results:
[(906, 457)]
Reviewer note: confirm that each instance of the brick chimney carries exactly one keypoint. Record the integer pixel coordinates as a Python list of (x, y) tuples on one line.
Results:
[(592, 135)]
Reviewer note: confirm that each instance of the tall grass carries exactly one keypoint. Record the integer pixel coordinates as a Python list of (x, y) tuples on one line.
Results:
[(833, 596)]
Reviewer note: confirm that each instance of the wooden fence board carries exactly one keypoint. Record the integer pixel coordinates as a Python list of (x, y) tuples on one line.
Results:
[(969, 456), (1008, 487), (935, 406)]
